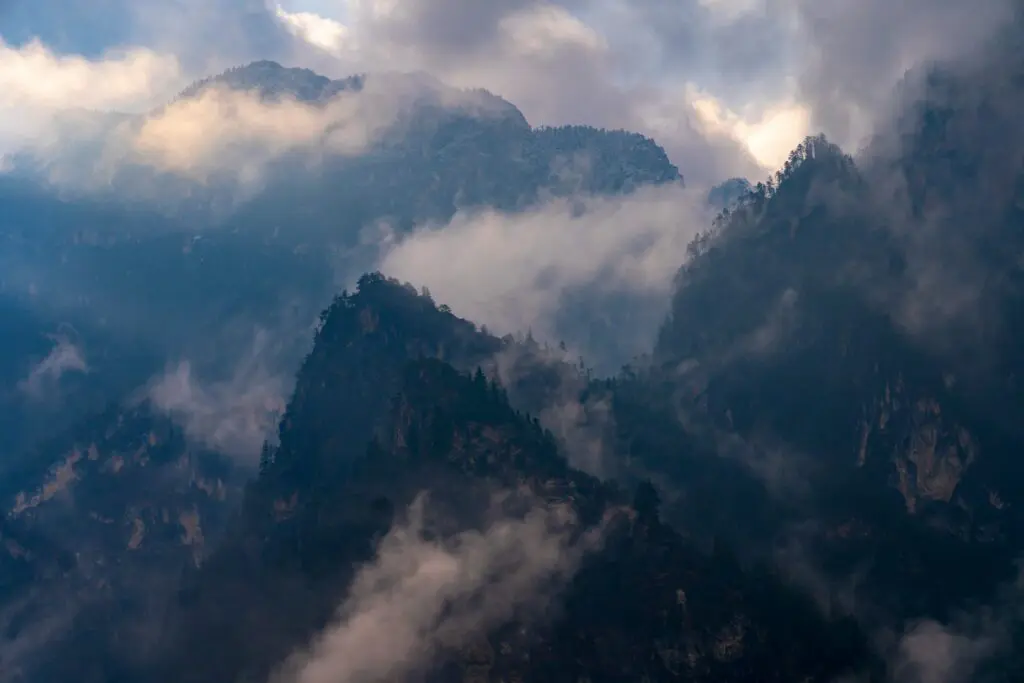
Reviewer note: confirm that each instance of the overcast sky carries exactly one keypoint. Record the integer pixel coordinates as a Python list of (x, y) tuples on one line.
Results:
[(727, 86)]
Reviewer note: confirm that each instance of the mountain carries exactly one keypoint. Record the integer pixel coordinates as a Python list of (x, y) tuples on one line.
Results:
[(448, 150), (560, 575), (126, 498), (845, 342), (865, 424), (99, 522), (189, 277), (726, 195), (131, 534), (418, 151)]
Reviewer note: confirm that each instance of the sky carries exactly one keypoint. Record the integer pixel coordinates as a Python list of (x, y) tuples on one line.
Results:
[(728, 87)]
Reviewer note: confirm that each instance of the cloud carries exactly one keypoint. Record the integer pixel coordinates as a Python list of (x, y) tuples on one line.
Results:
[(39, 89), (837, 59), (727, 86), (35, 76), (26, 640), (321, 32), (516, 271), (584, 427), (228, 140), (65, 357), (854, 53), (235, 415), (971, 642), (775, 69), (228, 130), (942, 216), (421, 598), (930, 652), (770, 138), (542, 56)]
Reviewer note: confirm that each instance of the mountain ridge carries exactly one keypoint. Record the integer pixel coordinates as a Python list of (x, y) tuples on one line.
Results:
[(446, 427)]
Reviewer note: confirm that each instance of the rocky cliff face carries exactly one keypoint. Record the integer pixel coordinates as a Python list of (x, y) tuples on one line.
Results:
[(99, 524), (845, 333)]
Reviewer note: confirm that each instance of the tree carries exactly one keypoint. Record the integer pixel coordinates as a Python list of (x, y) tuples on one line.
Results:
[(647, 502), (266, 457)]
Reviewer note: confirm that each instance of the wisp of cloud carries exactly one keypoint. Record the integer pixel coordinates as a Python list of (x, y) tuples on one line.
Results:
[(422, 598)]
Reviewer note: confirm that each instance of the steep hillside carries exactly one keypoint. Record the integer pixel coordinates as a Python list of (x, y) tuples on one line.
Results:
[(98, 525), (387, 451), (851, 335), (638, 601)]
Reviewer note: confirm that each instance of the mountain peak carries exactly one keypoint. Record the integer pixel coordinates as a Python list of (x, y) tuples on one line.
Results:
[(268, 78)]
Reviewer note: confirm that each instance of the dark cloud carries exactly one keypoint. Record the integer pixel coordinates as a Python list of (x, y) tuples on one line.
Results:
[(738, 48), (449, 27), (856, 52)]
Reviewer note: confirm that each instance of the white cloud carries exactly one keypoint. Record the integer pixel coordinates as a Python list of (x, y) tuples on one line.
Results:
[(322, 32), (510, 271), (65, 357), (731, 10), (224, 129), (930, 652), (235, 415), (420, 597), (229, 138), (38, 88), (854, 53), (772, 66), (769, 136), (33, 76)]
